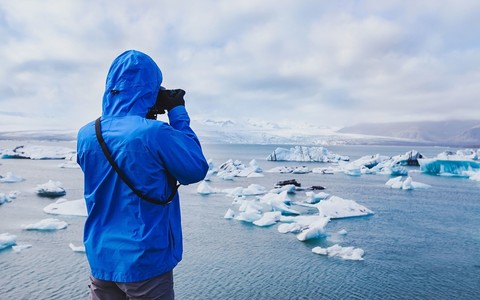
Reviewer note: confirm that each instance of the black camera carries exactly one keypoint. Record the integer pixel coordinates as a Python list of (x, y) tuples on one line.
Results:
[(166, 100)]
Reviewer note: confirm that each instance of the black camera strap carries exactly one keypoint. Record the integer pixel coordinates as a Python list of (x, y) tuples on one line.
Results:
[(98, 132)]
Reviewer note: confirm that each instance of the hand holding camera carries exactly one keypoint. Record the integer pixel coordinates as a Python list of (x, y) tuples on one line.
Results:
[(166, 100)]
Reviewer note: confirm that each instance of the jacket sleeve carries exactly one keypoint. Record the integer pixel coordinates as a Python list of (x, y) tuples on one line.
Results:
[(181, 150)]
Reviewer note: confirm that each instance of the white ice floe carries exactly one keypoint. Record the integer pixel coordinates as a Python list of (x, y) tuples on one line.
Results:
[(295, 224), (231, 169), (230, 214), (20, 248), (7, 240), (301, 153), (314, 230), (50, 189), (290, 188), (4, 198), (252, 190), (454, 166), (336, 208), (46, 225), (204, 188), (324, 170), (39, 152), (76, 248), (313, 198), (347, 253), (67, 207), (268, 219), (11, 178), (407, 184)]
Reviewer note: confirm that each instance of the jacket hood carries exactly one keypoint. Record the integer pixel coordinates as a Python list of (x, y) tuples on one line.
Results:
[(133, 82)]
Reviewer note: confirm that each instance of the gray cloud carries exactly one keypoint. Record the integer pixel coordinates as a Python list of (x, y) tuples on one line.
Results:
[(323, 62)]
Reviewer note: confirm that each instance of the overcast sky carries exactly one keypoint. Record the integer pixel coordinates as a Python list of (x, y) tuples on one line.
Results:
[(327, 63)]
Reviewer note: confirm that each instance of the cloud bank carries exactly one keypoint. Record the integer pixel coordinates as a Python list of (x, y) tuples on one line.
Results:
[(326, 63)]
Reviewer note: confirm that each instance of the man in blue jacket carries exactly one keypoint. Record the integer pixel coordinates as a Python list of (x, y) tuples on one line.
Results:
[(132, 245)]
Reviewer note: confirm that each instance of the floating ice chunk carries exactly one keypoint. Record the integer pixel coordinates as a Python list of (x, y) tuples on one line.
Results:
[(3, 198), (8, 198), (278, 202), (300, 153), (301, 170), (328, 170), (76, 248), (342, 232), (39, 152), (268, 219), (66, 207), (250, 215), (204, 188), (296, 224), (19, 248), (11, 178), (352, 170), (313, 198), (13, 194), (46, 225), (252, 190), (449, 167), (230, 214), (314, 230), (230, 169), (407, 184), (336, 208), (282, 170), (7, 240), (473, 175), (347, 253), (50, 189), (395, 183), (289, 227), (290, 188)]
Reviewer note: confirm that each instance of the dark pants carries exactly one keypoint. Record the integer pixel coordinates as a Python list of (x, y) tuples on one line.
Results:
[(159, 288)]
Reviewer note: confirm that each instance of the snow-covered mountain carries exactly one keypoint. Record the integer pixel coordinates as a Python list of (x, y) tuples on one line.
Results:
[(447, 133), (256, 132), (451, 132)]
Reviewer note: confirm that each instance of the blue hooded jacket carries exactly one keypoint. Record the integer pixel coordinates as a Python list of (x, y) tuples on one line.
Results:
[(128, 239)]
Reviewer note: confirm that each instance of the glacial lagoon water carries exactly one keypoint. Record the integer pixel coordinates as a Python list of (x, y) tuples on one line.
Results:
[(419, 244)]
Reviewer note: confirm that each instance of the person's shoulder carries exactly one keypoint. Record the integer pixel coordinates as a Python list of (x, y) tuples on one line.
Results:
[(86, 129)]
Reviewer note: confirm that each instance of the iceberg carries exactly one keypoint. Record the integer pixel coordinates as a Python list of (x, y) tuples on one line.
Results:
[(305, 154), (38, 152), (268, 219), (313, 198), (46, 225), (252, 190), (314, 230), (7, 240), (407, 184), (20, 248), (454, 166), (68, 208), (50, 189), (230, 169), (8, 198), (337, 208), (11, 178), (347, 253), (230, 214), (204, 188)]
